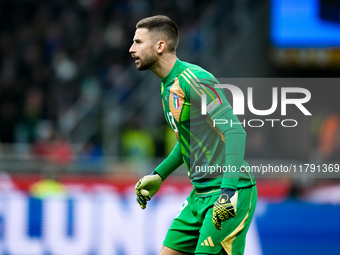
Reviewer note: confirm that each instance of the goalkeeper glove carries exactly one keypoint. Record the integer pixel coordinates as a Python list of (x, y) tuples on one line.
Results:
[(147, 187), (225, 206)]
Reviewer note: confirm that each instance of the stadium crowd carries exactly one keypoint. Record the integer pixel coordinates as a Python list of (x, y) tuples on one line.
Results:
[(54, 52)]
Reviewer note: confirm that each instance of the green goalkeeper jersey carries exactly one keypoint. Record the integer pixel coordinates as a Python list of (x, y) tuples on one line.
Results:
[(213, 154)]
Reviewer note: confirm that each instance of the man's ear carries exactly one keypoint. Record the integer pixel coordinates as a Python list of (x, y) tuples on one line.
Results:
[(161, 47)]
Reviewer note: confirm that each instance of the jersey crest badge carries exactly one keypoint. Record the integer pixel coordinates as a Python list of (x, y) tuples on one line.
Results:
[(176, 101)]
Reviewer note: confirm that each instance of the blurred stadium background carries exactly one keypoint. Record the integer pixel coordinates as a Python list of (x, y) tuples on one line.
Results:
[(79, 125)]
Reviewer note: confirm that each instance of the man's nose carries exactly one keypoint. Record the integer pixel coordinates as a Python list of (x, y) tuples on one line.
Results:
[(132, 49)]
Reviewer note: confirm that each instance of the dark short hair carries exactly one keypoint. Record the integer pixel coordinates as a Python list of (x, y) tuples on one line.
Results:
[(163, 26)]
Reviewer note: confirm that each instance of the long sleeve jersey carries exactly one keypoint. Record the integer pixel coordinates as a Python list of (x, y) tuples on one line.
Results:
[(213, 152)]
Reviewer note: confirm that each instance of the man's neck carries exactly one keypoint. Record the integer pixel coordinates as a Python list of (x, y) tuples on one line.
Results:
[(164, 65)]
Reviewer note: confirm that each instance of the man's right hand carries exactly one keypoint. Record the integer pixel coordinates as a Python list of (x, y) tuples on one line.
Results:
[(147, 187)]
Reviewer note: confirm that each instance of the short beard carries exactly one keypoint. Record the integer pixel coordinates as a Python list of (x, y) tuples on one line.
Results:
[(148, 62)]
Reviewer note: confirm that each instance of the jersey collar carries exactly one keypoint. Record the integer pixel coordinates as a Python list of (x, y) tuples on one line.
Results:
[(172, 73)]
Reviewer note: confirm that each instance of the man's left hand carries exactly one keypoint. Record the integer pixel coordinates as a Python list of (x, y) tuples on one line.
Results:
[(225, 206)]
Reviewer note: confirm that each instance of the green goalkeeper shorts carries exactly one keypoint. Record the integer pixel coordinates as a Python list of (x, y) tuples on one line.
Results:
[(193, 231)]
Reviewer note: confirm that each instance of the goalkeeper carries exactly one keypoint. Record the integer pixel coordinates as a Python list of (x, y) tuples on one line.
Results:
[(217, 214)]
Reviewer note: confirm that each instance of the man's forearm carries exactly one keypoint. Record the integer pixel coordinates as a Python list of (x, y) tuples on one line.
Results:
[(234, 157), (171, 163)]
